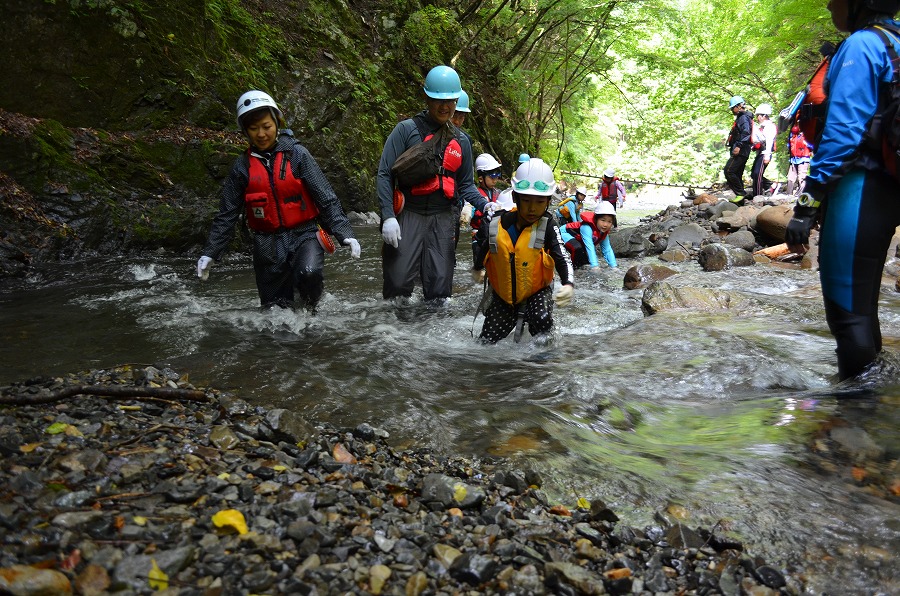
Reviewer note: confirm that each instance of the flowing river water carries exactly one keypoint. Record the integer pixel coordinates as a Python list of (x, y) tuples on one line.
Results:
[(717, 417)]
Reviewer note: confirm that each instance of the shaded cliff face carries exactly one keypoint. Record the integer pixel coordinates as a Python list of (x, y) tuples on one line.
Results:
[(117, 122)]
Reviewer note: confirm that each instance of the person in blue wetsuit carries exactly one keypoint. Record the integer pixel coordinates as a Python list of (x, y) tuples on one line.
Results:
[(849, 191), (583, 237)]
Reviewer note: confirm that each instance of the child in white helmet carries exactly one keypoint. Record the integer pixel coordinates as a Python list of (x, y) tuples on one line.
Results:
[(582, 238), (570, 209), (487, 172), (287, 202), (519, 250)]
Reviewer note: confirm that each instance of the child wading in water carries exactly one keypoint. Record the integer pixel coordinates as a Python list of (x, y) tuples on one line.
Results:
[(519, 250)]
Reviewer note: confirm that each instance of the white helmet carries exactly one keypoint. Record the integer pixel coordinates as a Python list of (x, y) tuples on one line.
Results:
[(764, 109), (581, 190), (609, 173), (486, 162), (534, 177), (253, 100), (606, 208)]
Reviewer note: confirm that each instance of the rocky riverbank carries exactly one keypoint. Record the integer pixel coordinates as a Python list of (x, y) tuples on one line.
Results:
[(134, 481)]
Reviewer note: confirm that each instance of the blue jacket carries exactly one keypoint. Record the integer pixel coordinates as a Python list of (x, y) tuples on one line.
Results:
[(858, 72)]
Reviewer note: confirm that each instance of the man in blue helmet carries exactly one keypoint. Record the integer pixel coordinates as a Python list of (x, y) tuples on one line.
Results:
[(738, 144), (419, 227), (849, 190)]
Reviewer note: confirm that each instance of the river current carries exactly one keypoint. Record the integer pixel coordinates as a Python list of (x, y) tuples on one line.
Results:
[(716, 418)]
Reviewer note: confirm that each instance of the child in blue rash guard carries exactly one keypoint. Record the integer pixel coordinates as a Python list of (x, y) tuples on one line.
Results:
[(519, 250), (583, 237)]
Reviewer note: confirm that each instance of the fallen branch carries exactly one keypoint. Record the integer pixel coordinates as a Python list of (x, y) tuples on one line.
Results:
[(108, 391)]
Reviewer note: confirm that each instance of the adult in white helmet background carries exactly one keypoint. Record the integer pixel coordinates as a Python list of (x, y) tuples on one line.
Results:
[(849, 186), (289, 206), (611, 189), (420, 232), (764, 133), (519, 251)]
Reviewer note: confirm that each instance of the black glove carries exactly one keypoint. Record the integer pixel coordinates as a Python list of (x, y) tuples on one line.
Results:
[(801, 224)]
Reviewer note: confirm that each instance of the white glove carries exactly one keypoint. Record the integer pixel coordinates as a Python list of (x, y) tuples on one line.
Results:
[(390, 231), (353, 243), (203, 266), (478, 275), (564, 295), (491, 207)]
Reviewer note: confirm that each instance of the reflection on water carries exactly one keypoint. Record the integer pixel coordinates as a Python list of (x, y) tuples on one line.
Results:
[(729, 415)]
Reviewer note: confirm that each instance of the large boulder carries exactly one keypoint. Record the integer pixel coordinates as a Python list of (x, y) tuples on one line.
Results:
[(742, 239), (631, 242), (661, 297), (772, 222), (640, 276), (716, 257), (687, 236)]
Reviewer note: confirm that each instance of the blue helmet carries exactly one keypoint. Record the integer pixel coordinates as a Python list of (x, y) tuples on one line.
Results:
[(524, 157), (735, 101), (442, 82), (462, 104)]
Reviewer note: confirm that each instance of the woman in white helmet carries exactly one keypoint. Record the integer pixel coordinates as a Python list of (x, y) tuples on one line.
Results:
[(287, 202), (519, 250), (764, 133)]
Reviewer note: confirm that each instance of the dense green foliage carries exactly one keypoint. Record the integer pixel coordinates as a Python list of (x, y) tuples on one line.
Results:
[(641, 85)]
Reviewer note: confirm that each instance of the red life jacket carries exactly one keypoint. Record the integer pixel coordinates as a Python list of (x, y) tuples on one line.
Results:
[(276, 200), (609, 191), (799, 148), (491, 196), (445, 180), (587, 217)]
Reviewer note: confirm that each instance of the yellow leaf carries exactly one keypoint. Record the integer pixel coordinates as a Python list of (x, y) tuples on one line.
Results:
[(29, 447), (230, 518), (72, 431), (139, 521), (56, 428), (459, 492), (158, 578), (279, 468), (224, 476), (583, 503), (130, 408)]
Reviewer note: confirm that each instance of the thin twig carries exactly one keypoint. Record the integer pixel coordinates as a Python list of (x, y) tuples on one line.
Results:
[(109, 391)]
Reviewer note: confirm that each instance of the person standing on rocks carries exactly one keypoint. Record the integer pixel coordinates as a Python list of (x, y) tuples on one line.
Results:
[(764, 144), (738, 144), (801, 154), (288, 204), (420, 231), (849, 188), (518, 250)]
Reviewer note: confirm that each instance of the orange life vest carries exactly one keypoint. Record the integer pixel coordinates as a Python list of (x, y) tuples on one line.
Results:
[(517, 272), (276, 200)]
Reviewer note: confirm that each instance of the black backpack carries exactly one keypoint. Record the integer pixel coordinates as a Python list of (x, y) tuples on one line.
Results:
[(425, 160), (884, 132)]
